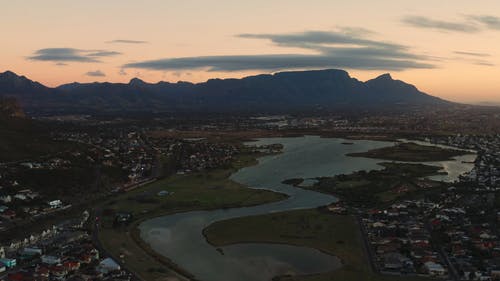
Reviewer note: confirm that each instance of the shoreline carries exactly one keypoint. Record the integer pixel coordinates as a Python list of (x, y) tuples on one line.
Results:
[(135, 235), (133, 230), (268, 241)]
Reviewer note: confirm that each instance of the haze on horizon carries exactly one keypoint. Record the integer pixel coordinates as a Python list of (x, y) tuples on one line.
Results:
[(447, 48)]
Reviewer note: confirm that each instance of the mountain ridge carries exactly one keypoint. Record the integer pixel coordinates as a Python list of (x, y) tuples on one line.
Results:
[(278, 92)]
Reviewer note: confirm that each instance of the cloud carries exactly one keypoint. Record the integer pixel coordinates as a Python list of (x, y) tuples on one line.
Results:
[(61, 64), (469, 24), (61, 55), (484, 63), (472, 54), (125, 41), (472, 58), (96, 73), (70, 55), (425, 22), (122, 72), (276, 62), (311, 39), (491, 22), (103, 54), (356, 31), (334, 49)]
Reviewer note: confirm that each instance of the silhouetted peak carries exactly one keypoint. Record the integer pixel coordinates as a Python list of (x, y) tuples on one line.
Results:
[(136, 82), (386, 76), (9, 73), (12, 76)]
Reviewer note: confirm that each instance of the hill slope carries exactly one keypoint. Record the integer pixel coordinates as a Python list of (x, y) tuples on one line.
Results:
[(22, 138)]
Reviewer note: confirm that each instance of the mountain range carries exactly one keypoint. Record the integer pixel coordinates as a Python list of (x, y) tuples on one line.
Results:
[(272, 93)]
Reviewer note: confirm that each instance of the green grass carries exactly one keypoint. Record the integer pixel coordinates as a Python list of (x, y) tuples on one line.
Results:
[(374, 188), (209, 190), (410, 152), (333, 234)]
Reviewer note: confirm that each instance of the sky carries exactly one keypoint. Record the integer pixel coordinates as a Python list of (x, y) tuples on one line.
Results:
[(447, 48)]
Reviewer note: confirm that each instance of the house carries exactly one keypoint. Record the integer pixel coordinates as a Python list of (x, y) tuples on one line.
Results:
[(55, 204), (9, 215), (50, 259), (58, 271), (395, 261), (32, 251), (19, 276), (108, 265), (71, 266), (6, 199), (42, 271), (434, 269), (21, 196), (9, 263)]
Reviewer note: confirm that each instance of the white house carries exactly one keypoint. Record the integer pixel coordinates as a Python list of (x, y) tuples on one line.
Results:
[(50, 259), (6, 198), (108, 265), (434, 269), (55, 204)]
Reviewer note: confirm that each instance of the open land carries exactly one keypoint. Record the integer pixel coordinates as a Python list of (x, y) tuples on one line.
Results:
[(198, 191), (368, 189), (313, 228), (411, 152)]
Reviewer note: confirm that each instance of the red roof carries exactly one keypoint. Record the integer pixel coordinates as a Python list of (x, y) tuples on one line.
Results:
[(16, 277), (71, 265)]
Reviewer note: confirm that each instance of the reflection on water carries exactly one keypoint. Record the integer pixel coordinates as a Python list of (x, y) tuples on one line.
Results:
[(453, 168), (271, 260)]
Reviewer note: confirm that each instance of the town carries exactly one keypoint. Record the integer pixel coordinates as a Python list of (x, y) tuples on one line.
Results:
[(48, 225), (452, 233)]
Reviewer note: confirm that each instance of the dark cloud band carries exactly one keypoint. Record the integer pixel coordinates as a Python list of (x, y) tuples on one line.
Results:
[(96, 73), (71, 55), (276, 62), (469, 24), (333, 50), (424, 22)]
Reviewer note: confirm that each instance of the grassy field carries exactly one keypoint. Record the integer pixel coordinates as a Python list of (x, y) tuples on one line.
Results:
[(410, 152), (199, 191), (333, 234), (376, 188)]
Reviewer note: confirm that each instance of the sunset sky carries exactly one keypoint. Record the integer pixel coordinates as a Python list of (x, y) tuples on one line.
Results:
[(447, 48)]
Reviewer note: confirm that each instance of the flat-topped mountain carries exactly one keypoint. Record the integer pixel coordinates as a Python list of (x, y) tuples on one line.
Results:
[(279, 92)]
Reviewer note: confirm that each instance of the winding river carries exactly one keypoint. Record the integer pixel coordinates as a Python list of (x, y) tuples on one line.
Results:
[(179, 237)]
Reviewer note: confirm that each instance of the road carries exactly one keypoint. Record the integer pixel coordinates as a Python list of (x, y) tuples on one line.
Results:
[(102, 250)]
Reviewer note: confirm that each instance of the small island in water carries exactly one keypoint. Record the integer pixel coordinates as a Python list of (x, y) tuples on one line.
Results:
[(411, 152)]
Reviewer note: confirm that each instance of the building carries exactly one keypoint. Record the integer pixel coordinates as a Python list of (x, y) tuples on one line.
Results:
[(434, 269), (55, 204), (9, 263), (50, 259), (108, 265)]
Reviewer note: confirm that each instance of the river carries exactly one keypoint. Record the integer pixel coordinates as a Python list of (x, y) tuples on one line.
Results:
[(179, 237)]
